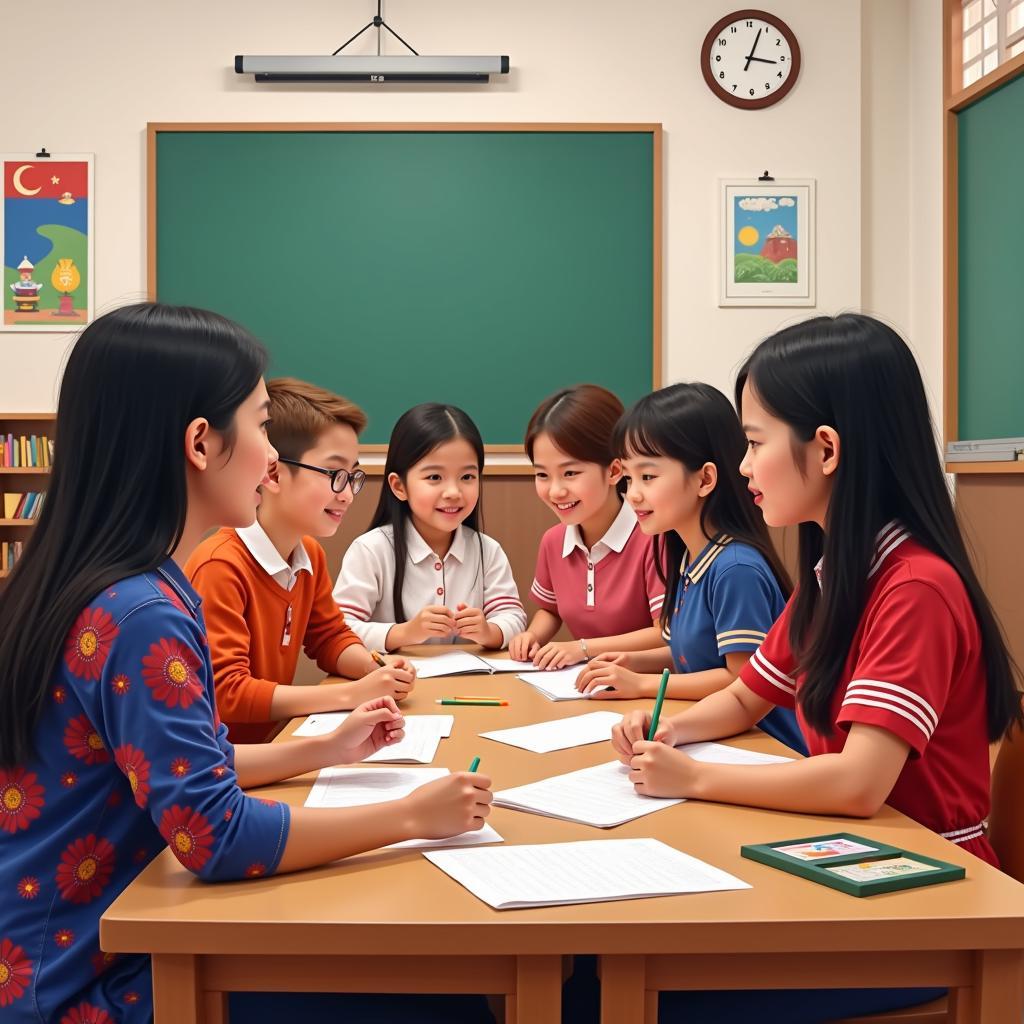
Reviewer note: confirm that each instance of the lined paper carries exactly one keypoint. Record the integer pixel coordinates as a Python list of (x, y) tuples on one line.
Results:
[(560, 734)]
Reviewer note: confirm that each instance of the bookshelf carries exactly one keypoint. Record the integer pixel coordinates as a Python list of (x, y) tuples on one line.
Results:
[(22, 479)]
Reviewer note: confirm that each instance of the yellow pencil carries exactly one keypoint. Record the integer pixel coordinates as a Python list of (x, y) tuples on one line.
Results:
[(379, 658)]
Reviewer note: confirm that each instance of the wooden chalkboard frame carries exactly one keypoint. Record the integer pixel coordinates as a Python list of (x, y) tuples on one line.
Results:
[(955, 100), (154, 129)]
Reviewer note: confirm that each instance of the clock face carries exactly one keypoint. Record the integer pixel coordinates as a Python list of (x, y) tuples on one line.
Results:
[(750, 59)]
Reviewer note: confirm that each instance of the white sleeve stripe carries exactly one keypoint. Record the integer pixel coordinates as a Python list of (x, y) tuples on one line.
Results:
[(547, 595), (744, 641), (740, 632), (656, 602), (855, 694), (890, 546), (771, 673), (781, 686), (892, 709), (917, 701)]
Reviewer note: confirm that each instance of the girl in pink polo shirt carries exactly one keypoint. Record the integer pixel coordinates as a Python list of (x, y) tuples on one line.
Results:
[(595, 570)]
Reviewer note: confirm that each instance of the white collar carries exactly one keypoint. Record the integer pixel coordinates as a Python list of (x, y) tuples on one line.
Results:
[(419, 550), (887, 540), (261, 547), (615, 536)]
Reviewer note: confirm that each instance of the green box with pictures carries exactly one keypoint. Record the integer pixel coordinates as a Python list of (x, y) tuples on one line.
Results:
[(853, 864)]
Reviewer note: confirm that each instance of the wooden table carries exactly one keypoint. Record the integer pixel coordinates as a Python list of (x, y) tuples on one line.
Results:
[(390, 921)]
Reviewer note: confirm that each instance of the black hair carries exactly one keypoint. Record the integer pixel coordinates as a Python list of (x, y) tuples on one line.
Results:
[(857, 375), (117, 498), (416, 434), (695, 424)]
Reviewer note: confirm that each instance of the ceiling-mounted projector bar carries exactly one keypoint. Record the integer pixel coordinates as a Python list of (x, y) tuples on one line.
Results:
[(371, 69)]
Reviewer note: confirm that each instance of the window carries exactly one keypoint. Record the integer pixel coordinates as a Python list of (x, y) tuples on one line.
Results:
[(993, 31)]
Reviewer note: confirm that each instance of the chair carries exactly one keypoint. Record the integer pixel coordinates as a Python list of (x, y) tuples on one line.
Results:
[(1006, 833)]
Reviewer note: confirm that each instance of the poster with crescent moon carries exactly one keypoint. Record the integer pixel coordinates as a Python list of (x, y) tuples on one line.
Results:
[(46, 234)]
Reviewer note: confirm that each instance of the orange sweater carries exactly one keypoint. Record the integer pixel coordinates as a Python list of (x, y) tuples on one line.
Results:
[(245, 612)]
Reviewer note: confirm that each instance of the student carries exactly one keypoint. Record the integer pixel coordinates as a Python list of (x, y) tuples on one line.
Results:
[(888, 649), (266, 589), (725, 585), (110, 746), (423, 572), (595, 570)]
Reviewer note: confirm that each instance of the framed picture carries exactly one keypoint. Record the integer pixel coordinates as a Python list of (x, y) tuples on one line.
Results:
[(46, 235), (767, 243)]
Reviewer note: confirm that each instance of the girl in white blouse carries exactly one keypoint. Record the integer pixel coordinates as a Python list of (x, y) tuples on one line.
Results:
[(423, 572)]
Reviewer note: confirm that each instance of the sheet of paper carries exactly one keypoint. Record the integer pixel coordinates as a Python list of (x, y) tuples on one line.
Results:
[(558, 685), (594, 871), (601, 796), (722, 753), (508, 665), (478, 838), (357, 787), (418, 746), (454, 663), (560, 734), (328, 721)]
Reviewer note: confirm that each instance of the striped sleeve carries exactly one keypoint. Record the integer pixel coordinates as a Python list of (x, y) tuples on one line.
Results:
[(501, 604), (741, 605), (771, 671), (543, 589), (905, 665), (363, 583), (653, 583)]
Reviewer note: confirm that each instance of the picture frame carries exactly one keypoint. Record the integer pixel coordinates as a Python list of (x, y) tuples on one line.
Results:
[(47, 242), (767, 242)]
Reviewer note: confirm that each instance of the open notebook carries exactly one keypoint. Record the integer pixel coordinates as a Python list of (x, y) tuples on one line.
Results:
[(591, 871), (462, 663)]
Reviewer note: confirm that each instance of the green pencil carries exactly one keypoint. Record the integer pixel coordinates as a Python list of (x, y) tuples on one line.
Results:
[(657, 705), (473, 703), (476, 764)]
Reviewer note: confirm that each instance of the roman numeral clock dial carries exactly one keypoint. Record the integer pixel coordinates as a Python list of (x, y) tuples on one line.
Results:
[(750, 59)]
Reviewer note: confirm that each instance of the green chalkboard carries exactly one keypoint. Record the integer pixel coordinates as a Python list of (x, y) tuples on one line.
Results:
[(485, 268), (990, 227)]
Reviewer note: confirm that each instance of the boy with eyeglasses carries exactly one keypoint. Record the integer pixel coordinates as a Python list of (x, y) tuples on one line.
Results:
[(266, 589)]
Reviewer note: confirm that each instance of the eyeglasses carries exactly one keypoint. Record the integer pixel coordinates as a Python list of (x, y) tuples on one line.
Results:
[(340, 478)]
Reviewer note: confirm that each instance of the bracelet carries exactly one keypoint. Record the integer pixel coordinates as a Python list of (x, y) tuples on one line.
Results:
[(583, 647)]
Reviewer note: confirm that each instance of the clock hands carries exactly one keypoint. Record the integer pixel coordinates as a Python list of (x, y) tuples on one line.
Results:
[(760, 60), (753, 49)]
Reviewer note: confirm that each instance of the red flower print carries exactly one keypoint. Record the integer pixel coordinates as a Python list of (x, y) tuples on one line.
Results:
[(86, 1013), (85, 868), (135, 767), (172, 595), (180, 767), (256, 870), (68, 779), (82, 740), (267, 803), (21, 796), (228, 814), (170, 671), (219, 771), (114, 799), (88, 643), (28, 887), (60, 694), (189, 836), (101, 961), (15, 972), (120, 684), (131, 998), (64, 937)]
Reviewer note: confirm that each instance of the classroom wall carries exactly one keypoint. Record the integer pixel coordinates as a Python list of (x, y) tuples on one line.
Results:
[(581, 60)]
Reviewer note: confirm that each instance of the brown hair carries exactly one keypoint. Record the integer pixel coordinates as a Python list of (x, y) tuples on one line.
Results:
[(300, 412), (579, 421)]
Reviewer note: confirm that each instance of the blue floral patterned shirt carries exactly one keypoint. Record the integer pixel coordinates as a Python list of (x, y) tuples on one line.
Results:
[(130, 757)]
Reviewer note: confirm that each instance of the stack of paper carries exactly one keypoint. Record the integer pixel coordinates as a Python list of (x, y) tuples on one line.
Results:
[(559, 684), (357, 787), (462, 663), (594, 871), (560, 733), (602, 796)]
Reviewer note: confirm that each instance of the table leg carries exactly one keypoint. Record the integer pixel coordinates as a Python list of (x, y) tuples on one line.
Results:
[(176, 995), (538, 995), (623, 995)]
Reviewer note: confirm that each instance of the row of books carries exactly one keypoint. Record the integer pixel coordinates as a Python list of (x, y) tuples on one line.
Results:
[(23, 506), (25, 451), (10, 552)]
